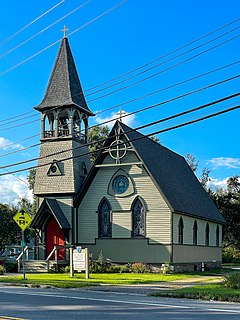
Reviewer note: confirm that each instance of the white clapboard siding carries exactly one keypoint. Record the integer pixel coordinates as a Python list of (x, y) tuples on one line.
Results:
[(188, 230), (158, 215)]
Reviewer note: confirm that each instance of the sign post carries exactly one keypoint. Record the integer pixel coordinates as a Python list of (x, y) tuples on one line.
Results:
[(23, 219)]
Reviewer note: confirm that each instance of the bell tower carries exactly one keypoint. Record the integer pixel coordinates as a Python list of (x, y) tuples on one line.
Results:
[(64, 131)]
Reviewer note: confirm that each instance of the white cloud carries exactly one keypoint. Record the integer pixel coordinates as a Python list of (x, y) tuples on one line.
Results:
[(13, 189), (231, 163), (217, 183), (6, 144), (128, 120)]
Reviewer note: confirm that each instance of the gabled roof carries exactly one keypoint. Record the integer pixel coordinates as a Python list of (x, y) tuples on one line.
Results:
[(64, 86), (170, 173), (56, 211)]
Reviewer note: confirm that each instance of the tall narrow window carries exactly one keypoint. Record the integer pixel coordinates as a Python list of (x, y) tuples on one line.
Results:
[(180, 231), (207, 235), (138, 218), (195, 233), (217, 236), (104, 218)]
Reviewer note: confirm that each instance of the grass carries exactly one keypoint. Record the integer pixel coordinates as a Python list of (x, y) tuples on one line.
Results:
[(215, 292), (64, 280)]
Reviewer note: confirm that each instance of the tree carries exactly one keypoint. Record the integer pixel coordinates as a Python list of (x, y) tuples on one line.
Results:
[(10, 233), (204, 177), (155, 138), (228, 202), (192, 162), (97, 136), (31, 181)]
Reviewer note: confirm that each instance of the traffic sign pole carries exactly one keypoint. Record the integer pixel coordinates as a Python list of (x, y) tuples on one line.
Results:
[(23, 220), (23, 256)]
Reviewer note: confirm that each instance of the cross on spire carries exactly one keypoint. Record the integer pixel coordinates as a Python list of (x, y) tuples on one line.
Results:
[(121, 113), (64, 30)]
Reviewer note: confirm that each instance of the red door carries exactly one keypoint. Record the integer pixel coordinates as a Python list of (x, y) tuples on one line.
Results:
[(54, 237)]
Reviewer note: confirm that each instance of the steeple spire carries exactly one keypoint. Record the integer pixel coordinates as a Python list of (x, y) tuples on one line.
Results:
[(64, 88)]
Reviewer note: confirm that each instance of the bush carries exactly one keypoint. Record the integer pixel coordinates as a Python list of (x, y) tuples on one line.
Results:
[(139, 267), (232, 280), (231, 254), (2, 270), (11, 267), (65, 269)]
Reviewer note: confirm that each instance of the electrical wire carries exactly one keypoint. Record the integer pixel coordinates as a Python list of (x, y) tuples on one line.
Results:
[(131, 140), (45, 29), (147, 64), (32, 22), (135, 112), (162, 71), (51, 45), (139, 128), (166, 61)]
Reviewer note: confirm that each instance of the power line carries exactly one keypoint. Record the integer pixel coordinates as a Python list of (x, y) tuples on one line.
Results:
[(51, 45), (139, 110), (149, 63), (159, 64), (45, 29), (163, 56), (32, 22), (131, 140), (162, 71), (139, 128)]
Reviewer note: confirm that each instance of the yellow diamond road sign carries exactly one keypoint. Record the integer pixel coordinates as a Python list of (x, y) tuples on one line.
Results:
[(23, 219)]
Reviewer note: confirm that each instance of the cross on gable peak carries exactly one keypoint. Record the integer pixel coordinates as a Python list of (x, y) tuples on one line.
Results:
[(121, 113)]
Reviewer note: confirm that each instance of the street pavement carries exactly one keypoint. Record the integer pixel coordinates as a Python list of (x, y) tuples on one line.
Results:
[(105, 303)]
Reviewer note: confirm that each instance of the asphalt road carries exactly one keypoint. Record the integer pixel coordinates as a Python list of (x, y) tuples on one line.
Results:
[(35, 303)]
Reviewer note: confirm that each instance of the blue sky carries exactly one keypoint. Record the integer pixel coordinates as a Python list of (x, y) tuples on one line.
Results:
[(132, 35)]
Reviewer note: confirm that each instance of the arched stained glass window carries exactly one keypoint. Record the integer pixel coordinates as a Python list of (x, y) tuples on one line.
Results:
[(217, 236), (195, 233), (180, 231), (138, 218), (104, 218), (207, 235)]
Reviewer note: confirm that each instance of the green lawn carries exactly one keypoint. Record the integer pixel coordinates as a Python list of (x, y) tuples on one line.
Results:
[(215, 292), (64, 280)]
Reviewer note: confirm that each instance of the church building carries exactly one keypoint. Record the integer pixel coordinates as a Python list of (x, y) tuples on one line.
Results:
[(139, 201)]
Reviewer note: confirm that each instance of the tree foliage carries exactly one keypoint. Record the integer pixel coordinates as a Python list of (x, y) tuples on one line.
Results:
[(10, 233), (228, 202), (192, 162), (97, 136)]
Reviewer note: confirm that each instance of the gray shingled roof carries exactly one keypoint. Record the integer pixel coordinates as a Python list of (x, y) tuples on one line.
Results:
[(56, 211), (174, 178), (64, 86)]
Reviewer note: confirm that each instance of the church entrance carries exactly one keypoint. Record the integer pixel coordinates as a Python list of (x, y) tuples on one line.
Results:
[(54, 237)]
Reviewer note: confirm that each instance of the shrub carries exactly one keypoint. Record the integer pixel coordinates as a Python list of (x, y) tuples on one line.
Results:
[(2, 270), (11, 267), (65, 269), (231, 254), (139, 267), (232, 280)]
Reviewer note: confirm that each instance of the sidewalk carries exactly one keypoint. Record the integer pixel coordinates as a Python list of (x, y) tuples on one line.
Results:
[(144, 289)]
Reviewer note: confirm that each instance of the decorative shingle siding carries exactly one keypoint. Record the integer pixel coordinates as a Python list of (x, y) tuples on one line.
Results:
[(70, 180)]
